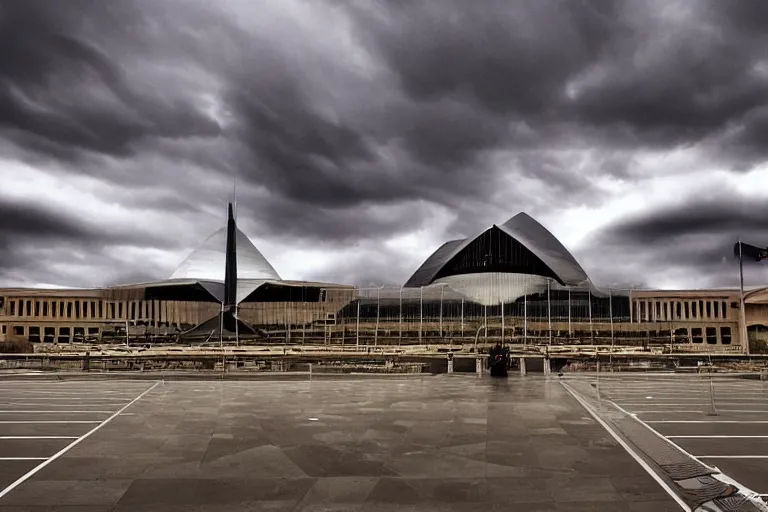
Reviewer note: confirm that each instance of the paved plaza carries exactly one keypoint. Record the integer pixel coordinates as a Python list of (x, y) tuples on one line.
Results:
[(449, 442)]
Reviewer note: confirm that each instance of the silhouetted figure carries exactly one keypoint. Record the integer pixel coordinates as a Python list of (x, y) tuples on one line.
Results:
[(498, 361)]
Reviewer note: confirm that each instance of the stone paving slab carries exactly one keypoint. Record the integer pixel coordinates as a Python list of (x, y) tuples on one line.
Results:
[(451, 442)]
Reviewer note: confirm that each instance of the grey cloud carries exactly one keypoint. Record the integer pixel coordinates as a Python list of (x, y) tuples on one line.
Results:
[(696, 237)]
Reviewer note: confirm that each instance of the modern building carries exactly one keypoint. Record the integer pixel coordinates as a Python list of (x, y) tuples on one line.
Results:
[(514, 281), (225, 288)]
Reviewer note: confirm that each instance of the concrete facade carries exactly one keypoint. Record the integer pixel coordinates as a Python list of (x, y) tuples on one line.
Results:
[(63, 316), (701, 320)]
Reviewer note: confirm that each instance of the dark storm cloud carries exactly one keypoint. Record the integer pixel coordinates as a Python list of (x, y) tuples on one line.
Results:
[(35, 240), (697, 235), (455, 103), (62, 94)]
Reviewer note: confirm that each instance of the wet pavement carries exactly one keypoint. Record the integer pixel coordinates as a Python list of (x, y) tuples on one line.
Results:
[(732, 436), (448, 442)]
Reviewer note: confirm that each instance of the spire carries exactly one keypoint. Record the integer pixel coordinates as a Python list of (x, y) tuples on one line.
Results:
[(230, 271)]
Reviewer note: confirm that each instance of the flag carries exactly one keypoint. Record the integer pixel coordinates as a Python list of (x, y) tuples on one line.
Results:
[(750, 252)]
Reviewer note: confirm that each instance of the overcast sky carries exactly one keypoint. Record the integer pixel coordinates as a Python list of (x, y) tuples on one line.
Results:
[(365, 134)]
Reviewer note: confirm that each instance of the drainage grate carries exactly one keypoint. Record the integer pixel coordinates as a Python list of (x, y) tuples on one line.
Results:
[(686, 470)]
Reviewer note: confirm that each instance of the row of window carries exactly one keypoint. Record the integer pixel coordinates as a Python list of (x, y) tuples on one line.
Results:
[(77, 309), (665, 311), (49, 334), (706, 334)]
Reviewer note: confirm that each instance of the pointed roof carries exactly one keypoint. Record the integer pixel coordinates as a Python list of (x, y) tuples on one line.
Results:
[(207, 262), (526, 231), (537, 239)]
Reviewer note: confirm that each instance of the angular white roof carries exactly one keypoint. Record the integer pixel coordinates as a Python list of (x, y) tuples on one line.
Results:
[(207, 262)]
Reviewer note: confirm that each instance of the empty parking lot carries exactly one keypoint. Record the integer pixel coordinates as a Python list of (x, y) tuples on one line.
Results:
[(723, 422), (432, 443)]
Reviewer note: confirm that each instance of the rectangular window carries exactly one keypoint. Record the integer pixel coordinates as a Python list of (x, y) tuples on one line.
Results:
[(101, 309), (724, 309), (696, 335), (701, 309), (133, 311), (18, 330), (62, 305), (694, 312), (3, 329), (711, 335), (120, 310), (45, 308), (715, 308), (34, 334), (112, 311), (679, 310), (708, 306), (13, 308), (37, 310), (93, 309), (69, 309), (54, 308), (725, 335), (29, 308), (77, 309), (681, 335)]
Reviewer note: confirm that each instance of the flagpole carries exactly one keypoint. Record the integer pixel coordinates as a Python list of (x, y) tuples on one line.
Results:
[(742, 314)]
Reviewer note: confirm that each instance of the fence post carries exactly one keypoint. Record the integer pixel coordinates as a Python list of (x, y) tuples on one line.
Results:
[(525, 319), (502, 322), (357, 329), (441, 313), (570, 332), (421, 314), (610, 308), (549, 312), (378, 308), (400, 338), (589, 303)]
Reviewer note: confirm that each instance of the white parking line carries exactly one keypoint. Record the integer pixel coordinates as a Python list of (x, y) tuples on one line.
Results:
[(16, 422), (71, 445), (53, 412), (705, 421), (36, 437), (22, 404), (666, 411), (56, 398), (22, 458), (714, 436), (732, 456)]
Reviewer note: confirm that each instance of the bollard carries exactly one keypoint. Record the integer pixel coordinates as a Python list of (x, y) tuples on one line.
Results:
[(450, 363), (479, 366), (523, 370), (547, 368), (713, 412)]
